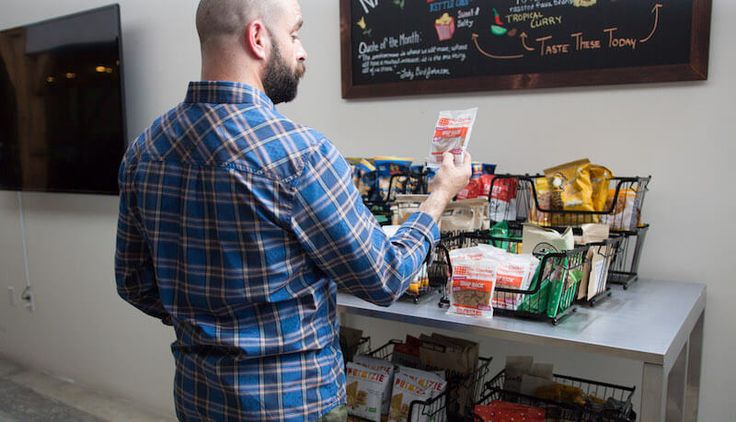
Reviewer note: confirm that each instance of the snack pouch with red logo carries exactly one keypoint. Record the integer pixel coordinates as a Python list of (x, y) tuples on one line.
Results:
[(473, 283), (452, 134)]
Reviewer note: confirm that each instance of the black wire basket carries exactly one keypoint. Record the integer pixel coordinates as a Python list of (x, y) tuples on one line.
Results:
[(553, 290), (625, 265), (594, 401), (516, 198), (436, 409), (598, 265)]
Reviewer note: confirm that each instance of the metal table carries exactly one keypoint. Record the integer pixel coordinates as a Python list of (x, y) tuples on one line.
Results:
[(655, 322)]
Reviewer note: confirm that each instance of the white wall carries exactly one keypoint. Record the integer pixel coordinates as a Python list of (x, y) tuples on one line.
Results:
[(679, 133)]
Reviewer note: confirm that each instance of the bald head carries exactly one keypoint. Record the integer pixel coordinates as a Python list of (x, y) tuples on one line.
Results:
[(220, 20)]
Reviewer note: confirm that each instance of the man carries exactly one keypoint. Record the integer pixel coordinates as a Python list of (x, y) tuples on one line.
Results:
[(236, 226)]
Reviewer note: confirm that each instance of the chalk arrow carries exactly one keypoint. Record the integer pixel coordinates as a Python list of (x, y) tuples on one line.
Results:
[(655, 10), (523, 37), (493, 56)]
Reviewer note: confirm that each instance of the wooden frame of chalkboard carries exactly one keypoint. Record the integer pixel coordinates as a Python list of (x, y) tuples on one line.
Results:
[(366, 36)]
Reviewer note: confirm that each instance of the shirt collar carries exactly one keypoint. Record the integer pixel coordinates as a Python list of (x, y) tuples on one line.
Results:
[(224, 92)]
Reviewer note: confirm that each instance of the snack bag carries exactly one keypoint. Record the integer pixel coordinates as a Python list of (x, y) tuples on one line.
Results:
[(430, 381), (386, 169), (626, 215), (473, 283), (452, 134), (405, 392), (387, 368), (499, 411), (503, 193), (571, 190), (365, 388), (600, 177), (543, 202)]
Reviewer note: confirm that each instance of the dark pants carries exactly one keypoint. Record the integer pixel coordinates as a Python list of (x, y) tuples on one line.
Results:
[(338, 414)]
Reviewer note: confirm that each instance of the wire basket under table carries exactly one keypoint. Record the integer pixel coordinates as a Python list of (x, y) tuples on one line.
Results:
[(608, 403), (435, 409)]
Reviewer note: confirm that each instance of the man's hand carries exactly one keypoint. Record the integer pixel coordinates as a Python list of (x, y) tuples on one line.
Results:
[(450, 180)]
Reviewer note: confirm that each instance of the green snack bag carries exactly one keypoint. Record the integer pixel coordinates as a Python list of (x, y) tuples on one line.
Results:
[(500, 230), (562, 290), (536, 303)]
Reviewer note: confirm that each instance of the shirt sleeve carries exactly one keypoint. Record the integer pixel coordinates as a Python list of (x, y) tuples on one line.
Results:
[(134, 273), (344, 239)]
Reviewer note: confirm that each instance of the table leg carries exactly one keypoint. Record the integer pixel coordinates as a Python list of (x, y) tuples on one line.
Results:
[(653, 392), (694, 358), (674, 396)]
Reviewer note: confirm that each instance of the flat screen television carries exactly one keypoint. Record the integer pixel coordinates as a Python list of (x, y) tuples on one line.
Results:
[(62, 109)]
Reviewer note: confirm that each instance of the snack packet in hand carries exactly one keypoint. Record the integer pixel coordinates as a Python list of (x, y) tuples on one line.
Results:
[(452, 134)]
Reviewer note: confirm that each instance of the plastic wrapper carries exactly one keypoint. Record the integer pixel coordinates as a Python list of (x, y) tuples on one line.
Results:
[(473, 283), (382, 366), (365, 391), (452, 134)]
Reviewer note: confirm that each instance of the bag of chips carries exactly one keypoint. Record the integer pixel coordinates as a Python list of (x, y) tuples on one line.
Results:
[(452, 134)]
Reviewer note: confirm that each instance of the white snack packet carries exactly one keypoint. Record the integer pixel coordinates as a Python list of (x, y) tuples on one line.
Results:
[(385, 367), (452, 134), (365, 389), (405, 392)]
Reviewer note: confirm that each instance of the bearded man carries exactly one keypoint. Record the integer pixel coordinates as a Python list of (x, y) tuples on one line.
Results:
[(237, 225)]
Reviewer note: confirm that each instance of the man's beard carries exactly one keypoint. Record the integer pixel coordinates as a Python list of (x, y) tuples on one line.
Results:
[(280, 82)]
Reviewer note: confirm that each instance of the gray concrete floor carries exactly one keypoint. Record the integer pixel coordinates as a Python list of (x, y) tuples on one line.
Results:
[(29, 396)]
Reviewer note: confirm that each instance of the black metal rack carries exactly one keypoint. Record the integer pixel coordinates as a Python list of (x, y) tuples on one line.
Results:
[(534, 302), (622, 216), (612, 403), (435, 409), (529, 207), (625, 266)]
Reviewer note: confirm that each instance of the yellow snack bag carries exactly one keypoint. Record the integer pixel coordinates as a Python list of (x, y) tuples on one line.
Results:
[(600, 177), (543, 202), (571, 187)]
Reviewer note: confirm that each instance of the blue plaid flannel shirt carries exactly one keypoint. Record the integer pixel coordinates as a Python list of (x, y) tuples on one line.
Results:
[(236, 226)]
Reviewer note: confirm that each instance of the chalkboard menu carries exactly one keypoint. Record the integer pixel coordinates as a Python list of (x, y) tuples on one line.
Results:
[(403, 47)]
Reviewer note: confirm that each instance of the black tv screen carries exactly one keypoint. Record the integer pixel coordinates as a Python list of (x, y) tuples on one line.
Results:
[(62, 112)]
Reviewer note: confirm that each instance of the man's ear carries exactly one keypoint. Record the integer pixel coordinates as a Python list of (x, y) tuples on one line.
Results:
[(257, 39)]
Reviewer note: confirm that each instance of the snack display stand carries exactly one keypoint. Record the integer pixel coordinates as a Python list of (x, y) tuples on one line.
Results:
[(657, 323)]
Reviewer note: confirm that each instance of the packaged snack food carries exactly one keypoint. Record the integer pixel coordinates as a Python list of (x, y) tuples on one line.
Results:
[(459, 358), (431, 381), (543, 202), (539, 240), (465, 216), (499, 411), (600, 177), (404, 206), (405, 392), (473, 283), (571, 187), (364, 176), (626, 215), (407, 353), (387, 368), (503, 198), (452, 134), (386, 169), (365, 389)]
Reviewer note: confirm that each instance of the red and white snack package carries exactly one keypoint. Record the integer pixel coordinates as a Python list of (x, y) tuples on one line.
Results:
[(452, 134)]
